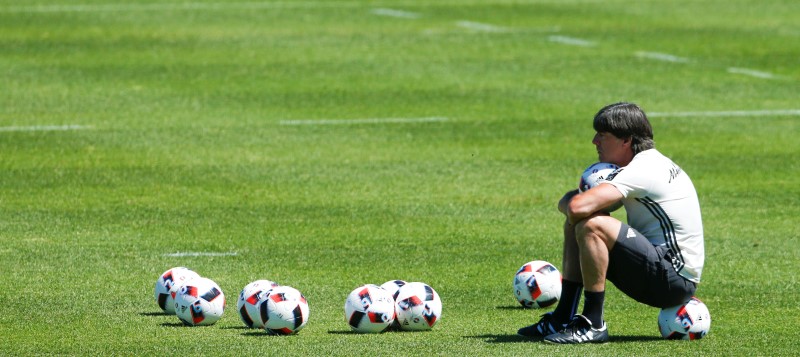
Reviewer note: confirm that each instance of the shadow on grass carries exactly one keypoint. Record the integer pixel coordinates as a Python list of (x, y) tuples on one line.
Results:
[(256, 333), (174, 324), (262, 333), (343, 332), (497, 338), (512, 307), (639, 338), (158, 313), (389, 330), (240, 328)]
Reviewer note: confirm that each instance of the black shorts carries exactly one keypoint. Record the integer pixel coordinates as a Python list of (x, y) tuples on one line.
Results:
[(644, 272)]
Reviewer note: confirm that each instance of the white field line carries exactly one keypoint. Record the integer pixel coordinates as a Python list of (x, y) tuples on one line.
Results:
[(201, 254), (498, 29), (662, 57), (396, 13), (478, 26), (752, 73), (731, 113), (573, 41), (44, 128), (362, 121)]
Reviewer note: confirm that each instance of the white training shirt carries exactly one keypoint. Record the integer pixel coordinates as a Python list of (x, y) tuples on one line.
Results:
[(662, 204)]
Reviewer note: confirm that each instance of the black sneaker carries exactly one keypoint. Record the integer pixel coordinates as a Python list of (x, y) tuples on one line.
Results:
[(543, 328), (579, 330)]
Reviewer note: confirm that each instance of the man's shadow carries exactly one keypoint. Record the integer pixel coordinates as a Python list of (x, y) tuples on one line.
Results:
[(514, 338), (498, 338)]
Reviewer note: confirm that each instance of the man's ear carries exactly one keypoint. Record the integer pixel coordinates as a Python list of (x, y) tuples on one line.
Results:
[(628, 141)]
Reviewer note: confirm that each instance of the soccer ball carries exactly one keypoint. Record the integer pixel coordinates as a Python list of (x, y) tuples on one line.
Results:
[(283, 310), (417, 307), (199, 302), (537, 284), (167, 285), (393, 287), (595, 174), (690, 321), (369, 308), (246, 305)]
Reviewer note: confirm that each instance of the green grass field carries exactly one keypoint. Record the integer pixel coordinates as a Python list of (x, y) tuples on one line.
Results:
[(329, 144)]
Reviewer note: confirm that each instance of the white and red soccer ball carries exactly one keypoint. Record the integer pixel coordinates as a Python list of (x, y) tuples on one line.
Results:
[(283, 310), (595, 174), (393, 287), (690, 321), (199, 302), (249, 297), (167, 286), (369, 309), (537, 284), (417, 307)]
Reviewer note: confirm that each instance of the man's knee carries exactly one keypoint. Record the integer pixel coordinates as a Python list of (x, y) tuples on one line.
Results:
[(601, 226)]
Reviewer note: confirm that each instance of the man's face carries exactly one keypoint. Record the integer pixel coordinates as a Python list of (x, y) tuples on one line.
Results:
[(612, 149)]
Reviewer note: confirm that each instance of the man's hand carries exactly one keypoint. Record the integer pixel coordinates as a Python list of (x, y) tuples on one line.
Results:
[(563, 204)]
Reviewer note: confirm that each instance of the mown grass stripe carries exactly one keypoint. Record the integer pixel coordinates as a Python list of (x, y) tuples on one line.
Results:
[(729, 113), (363, 121), (120, 7), (44, 128), (255, 5)]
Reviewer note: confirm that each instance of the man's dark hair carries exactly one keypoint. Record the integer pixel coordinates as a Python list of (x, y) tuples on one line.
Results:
[(626, 120)]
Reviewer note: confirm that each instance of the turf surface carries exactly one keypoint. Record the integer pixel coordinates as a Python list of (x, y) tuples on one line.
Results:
[(132, 131)]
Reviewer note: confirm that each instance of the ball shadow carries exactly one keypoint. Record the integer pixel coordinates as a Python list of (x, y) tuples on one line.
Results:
[(150, 313), (512, 307), (263, 333), (343, 332), (635, 338), (255, 333), (388, 330)]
